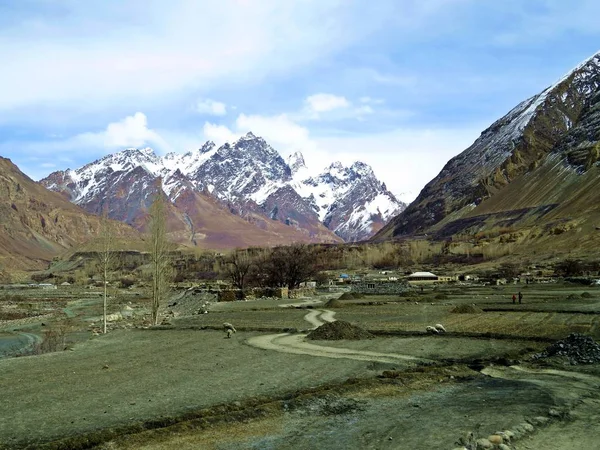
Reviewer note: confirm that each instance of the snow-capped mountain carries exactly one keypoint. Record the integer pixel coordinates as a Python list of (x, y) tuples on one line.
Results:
[(248, 177), (349, 200), (552, 135)]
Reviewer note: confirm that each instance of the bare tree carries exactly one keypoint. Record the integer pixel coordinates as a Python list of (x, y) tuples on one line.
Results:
[(237, 267), (107, 258), (300, 264), (159, 253), (287, 266)]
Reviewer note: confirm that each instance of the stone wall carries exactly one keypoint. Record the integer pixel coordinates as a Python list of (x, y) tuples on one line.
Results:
[(270, 292), (379, 287), (302, 292)]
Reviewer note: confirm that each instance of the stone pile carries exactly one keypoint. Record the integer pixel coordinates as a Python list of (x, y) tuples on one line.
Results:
[(578, 348)]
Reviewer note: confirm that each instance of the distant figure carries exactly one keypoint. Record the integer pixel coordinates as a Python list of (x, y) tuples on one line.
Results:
[(520, 297), (514, 299)]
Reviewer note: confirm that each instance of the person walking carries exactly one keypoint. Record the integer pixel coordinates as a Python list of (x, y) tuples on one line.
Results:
[(520, 297), (514, 299)]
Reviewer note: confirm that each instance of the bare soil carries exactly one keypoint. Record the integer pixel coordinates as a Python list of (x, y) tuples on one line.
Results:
[(338, 330)]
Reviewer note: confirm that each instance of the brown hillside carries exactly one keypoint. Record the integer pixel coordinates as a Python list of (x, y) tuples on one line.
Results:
[(529, 183), (559, 125), (37, 224), (198, 220)]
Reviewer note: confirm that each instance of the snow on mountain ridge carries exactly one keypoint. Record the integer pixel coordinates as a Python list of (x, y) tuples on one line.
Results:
[(247, 170)]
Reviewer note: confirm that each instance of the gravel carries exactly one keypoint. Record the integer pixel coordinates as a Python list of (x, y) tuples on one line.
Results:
[(578, 348)]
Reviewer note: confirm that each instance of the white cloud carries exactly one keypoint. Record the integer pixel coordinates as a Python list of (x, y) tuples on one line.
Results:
[(211, 107), (279, 129), (81, 51), (334, 107), (364, 109), (132, 131), (325, 102), (219, 134)]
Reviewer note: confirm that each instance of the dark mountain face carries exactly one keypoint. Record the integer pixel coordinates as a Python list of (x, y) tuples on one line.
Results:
[(559, 125), (240, 170)]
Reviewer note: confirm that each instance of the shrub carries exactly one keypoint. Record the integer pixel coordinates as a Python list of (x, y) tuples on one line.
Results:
[(39, 277), (227, 296), (54, 339), (126, 282), (586, 295)]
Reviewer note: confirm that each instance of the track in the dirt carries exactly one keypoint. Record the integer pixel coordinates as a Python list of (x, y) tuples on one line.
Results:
[(295, 344)]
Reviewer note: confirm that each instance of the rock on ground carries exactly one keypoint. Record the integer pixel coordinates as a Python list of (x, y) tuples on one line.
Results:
[(578, 348)]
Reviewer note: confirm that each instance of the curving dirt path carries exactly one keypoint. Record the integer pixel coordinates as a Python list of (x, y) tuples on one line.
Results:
[(318, 317), (309, 301), (296, 344)]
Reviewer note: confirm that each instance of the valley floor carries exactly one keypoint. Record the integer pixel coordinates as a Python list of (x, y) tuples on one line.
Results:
[(187, 385)]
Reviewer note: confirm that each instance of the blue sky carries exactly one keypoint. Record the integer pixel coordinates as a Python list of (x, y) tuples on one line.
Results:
[(401, 85)]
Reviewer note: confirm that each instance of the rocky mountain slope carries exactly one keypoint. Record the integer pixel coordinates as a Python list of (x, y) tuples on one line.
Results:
[(36, 224), (535, 167), (247, 178)]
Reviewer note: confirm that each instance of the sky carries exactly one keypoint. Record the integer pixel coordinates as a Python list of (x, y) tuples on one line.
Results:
[(401, 85)]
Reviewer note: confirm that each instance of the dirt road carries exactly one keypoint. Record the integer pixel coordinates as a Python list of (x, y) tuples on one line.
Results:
[(296, 344), (318, 317)]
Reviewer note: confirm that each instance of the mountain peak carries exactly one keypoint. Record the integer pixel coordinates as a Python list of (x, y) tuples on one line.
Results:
[(249, 135), (337, 165), (361, 168), (207, 147), (296, 162)]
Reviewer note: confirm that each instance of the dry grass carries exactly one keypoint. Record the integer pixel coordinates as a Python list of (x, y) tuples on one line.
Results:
[(207, 438)]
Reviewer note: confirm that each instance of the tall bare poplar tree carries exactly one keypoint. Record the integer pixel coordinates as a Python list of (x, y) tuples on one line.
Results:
[(107, 258), (161, 264)]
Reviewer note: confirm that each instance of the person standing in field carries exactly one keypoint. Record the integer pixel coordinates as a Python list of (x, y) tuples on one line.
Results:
[(514, 299), (520, 297)]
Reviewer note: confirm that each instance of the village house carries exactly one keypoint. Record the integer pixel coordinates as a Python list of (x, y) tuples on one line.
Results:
[(418, 278), (421, 278)]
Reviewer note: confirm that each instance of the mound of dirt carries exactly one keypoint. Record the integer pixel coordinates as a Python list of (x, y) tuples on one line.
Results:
[(334, 303), (578, 348), (336, 331), (350, 296), (466, 309)]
